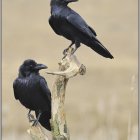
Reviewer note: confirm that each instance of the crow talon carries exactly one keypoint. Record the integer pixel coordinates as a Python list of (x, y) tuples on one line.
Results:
[(35, 123), (65, 51), (30, 117)]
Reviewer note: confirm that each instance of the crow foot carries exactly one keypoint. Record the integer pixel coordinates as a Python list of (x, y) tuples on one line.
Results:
[(66, 51), (69, 51), (30, 116), (35, 123), (36, 120), (32, 119)]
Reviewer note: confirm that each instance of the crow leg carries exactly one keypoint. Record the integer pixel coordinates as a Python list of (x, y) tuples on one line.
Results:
[(65, 51), (37, 119), (75, 47)]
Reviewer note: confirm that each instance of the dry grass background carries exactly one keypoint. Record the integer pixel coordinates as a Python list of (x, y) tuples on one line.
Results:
[(102, 105)]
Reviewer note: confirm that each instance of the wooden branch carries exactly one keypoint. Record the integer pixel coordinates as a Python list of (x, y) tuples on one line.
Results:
[(68, 68)]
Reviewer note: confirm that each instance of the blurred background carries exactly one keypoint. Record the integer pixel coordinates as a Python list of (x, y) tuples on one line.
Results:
[(101, 105)]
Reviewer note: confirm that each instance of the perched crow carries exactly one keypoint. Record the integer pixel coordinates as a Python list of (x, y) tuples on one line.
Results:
[(66, 22), (32, 91)]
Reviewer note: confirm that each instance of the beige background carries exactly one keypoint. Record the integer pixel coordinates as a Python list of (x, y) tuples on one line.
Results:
[(102, 105)]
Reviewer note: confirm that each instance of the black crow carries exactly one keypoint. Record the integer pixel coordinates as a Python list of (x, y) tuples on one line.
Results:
[(69, 24), (32, 91)]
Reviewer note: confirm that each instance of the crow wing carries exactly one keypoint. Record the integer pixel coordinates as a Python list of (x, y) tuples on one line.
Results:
[(53, 22), (15, 84), (45, 90), (77, 22)]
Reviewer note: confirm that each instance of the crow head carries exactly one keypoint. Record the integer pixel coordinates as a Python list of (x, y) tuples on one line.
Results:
[(62, 2), (30, 66)]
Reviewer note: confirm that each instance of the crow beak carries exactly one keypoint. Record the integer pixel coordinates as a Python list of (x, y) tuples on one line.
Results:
[(40, 66), (71, 1)]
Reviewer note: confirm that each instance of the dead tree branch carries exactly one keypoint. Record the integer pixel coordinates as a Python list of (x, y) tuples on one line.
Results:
[(68, 68)]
